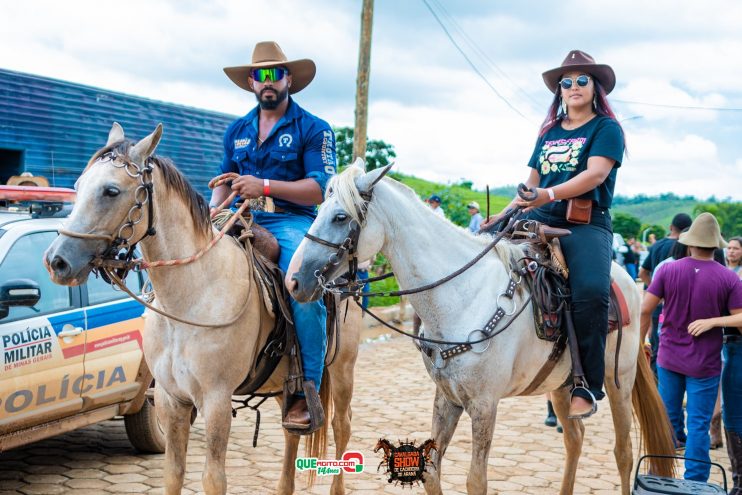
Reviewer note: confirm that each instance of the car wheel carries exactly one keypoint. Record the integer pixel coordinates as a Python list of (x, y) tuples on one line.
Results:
[(144, 430)]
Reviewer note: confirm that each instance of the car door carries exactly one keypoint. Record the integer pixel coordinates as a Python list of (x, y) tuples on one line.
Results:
[(113, 355), (43, 346)]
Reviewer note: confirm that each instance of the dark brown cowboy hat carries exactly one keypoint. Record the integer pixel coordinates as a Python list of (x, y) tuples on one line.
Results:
[(579, 61), (269, 54)]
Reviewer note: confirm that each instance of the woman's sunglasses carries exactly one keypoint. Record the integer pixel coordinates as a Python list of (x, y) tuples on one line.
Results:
[(273, 73), (581, 81)]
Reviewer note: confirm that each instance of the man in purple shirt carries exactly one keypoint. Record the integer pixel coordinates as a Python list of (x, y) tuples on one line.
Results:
[(693, 288)]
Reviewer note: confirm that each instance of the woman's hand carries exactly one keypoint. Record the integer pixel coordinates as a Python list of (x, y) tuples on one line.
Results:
[(699, 326), (542, 197)]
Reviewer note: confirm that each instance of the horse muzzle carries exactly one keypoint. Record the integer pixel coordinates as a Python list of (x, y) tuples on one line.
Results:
[(65, 264)]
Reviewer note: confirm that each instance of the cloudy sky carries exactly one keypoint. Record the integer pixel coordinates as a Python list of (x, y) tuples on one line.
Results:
[(679, 90)]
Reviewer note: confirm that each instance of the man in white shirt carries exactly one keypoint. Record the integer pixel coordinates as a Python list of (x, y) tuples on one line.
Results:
[(435, 203)]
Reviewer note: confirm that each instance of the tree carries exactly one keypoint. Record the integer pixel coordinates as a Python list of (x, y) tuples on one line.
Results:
[(729, 216), (658, 231), (378, 152), (625, 224)]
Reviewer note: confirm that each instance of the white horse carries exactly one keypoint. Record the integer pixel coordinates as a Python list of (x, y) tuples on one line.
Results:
[(193, 365), (423, 248)]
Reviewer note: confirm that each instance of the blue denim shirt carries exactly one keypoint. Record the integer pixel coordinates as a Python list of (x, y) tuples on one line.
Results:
[(299, 146)]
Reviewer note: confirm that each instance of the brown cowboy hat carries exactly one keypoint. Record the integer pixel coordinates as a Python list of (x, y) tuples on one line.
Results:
[(579, 61), (269, 54), (704, 232)]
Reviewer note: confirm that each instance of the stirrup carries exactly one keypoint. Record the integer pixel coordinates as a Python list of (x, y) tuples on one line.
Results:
[(593, 400)]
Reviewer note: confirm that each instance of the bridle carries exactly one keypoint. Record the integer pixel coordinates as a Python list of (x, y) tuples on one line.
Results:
[(354, 288), (115, 262), (119, 254)]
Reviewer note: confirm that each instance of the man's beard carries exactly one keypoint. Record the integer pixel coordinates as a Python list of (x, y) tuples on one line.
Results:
[(272, 104)]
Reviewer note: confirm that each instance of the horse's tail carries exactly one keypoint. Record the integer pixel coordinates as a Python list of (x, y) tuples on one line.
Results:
[(316, 443), (656, 430)]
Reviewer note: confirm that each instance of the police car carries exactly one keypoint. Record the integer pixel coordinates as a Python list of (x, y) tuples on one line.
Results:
[(71, 356)]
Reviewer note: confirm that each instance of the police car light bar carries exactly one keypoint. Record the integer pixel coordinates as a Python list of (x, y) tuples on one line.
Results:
[(32, 193)]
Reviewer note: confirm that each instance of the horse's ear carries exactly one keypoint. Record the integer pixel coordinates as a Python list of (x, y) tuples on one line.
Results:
[(116, 134), (359, 163), (367, 181), (144, 148)]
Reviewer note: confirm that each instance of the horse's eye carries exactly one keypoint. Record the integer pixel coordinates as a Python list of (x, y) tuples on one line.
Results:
[(340, 217), (111, 191)]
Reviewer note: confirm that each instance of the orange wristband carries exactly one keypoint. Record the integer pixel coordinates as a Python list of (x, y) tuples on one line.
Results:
[(266, 187)]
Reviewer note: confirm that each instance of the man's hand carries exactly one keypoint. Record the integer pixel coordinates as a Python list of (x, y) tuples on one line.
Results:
[(699, 326), (248, 187)]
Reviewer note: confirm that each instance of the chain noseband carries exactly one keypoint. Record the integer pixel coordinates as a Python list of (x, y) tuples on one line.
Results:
[(114, 257)]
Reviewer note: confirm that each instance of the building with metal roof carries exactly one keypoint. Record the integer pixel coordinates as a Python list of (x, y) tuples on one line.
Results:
[(51, 127)]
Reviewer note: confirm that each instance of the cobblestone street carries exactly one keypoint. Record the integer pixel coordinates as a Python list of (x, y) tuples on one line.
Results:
[(393, 399)]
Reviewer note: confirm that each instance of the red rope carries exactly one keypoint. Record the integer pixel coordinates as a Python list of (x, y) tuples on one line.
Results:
[(215, 182)]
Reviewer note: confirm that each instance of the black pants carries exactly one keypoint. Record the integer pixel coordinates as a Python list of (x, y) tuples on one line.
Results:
[(588, 253)]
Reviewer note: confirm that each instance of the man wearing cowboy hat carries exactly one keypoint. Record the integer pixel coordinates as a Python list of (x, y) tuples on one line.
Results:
[(688, 361), (282, 152)]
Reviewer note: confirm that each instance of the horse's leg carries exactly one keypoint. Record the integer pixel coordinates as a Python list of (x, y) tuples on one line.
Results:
[(288, 469), (620, 400), (445, 418), (217, 413), (574, 432), (483, 414), (342, 393), (174, 417)]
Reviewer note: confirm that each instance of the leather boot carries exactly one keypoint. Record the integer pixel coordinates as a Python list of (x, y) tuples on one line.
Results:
[(715, 431), (734, 449), (551, 419), (297, 416)]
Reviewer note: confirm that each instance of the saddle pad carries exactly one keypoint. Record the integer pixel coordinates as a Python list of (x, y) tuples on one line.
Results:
[(617, 303)]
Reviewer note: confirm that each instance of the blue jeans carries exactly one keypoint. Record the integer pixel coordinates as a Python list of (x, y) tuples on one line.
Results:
[(702, 394), (363, 276), (731, 384), (631, 270), (309, 318)]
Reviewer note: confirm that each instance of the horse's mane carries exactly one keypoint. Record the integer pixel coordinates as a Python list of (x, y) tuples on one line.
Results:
[(344, 187), (174, 180)]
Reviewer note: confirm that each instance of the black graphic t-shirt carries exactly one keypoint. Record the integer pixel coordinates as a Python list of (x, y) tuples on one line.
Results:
[(560, 155)]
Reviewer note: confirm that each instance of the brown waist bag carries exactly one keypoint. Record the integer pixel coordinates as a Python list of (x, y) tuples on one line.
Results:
[(579, 210)]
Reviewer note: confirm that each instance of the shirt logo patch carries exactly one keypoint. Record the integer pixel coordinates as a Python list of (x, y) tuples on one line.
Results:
[(285, 140), (241, 143)]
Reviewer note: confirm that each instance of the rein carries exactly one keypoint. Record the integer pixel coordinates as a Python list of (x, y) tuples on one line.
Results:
[(114, 265), (350, 244)]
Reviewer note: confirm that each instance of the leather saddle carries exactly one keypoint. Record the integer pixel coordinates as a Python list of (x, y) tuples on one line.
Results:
[(281, 342), (541, 244)]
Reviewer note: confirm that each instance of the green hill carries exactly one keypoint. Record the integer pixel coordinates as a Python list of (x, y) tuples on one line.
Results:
[(454, 196), (657, 211)]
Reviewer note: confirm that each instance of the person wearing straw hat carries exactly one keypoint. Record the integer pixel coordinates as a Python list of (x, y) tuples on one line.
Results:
[(577, 155), (282, 152), (689, 360)]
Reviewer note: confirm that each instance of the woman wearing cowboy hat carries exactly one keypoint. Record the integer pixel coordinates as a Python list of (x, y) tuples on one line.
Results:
[(577, 154), (283, 152), (688, 362)]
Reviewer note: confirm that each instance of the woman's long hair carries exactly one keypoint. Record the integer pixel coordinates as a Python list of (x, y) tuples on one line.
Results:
[(600, 105)]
